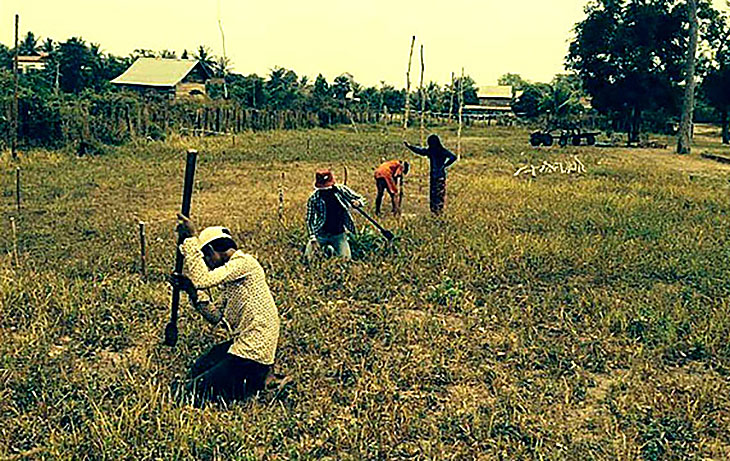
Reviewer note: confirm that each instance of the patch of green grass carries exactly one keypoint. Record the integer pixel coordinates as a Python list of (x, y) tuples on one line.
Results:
[(556, 317)]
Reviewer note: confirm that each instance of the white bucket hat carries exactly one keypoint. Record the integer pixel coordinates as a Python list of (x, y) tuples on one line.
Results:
[(213, 233)]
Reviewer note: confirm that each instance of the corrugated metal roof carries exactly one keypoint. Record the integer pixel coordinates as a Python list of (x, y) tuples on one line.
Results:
[(37, 58), (156, 72), (495, 91)]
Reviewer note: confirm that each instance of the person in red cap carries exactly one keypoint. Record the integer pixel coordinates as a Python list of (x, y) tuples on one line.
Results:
[(328, 216), (386, 178)]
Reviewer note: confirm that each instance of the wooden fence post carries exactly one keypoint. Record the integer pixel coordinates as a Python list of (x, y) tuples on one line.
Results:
[(142, 252), (15, 242), (281, 198), (17, 188)]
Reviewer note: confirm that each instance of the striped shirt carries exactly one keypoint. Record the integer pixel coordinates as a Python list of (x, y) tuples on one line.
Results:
[(246, 304), (317, 211)]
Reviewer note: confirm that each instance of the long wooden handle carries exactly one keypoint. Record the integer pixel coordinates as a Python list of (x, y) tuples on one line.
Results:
[(386, 233), (171, 329)]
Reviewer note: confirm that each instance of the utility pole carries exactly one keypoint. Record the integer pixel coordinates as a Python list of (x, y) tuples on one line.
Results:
[(14, 134)]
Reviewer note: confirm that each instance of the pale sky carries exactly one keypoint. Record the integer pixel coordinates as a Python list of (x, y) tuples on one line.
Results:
[(367, 38)]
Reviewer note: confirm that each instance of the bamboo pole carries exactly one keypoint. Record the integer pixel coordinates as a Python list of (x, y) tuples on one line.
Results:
[(281, 198), (17, 188), (142, 251), (14, 136), (408, 85), (461, 111), (15, 242), (451, 102), (423, 95)]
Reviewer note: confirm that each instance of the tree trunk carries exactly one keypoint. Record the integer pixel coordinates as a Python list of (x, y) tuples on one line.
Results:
[(725, 127), (688, 104), (634, 125)]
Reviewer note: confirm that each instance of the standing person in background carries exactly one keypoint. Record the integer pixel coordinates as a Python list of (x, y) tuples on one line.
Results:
[(386, 178), (328, 216), (440, 159)]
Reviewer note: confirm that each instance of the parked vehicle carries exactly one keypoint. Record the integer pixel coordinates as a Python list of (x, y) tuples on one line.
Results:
[(573, 136)]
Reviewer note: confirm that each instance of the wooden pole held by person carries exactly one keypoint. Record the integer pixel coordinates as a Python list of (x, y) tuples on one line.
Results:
[(400, 196), (142, 251), (345, 178)]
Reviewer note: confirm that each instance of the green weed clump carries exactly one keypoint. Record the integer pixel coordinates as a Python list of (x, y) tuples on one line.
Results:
[(555, 317)]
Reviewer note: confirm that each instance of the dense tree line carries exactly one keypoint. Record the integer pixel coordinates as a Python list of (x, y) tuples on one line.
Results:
[(625, 62), (630, 57), (75, 67)]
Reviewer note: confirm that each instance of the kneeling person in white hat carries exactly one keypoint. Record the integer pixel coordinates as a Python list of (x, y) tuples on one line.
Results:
[(240, 366)]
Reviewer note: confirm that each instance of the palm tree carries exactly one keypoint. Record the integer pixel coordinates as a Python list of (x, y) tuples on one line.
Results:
[(48, 45), (206, 58), (29, 45)]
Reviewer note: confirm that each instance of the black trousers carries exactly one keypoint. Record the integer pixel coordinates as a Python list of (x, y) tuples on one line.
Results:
[(218, 375), (382, 187)]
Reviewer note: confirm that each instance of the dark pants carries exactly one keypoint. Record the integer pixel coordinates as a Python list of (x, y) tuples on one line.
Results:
[(382, 186), (219, 375), (438, 194)]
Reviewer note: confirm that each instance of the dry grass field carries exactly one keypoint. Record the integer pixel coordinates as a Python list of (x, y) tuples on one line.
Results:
[(563, 316)]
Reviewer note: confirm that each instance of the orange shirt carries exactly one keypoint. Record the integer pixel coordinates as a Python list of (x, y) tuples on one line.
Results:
[(389, 171)]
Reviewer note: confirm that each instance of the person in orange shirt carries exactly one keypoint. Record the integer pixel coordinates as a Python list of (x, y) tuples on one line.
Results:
[(386, 178)]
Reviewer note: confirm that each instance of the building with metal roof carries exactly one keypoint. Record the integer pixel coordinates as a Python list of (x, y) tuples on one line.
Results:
[(173, 77), (497, 98), (32, 63)]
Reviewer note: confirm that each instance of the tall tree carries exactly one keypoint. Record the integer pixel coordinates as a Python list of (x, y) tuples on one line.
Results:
[(283, 89), (321, 92), (74, 60), (514, 80), (206, 58), (29, 45), (716, 83), (629, 54), (342, 86), (48, 45), (688, 102)]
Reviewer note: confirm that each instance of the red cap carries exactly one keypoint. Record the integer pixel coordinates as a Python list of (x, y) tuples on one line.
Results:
[(324, 179)]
